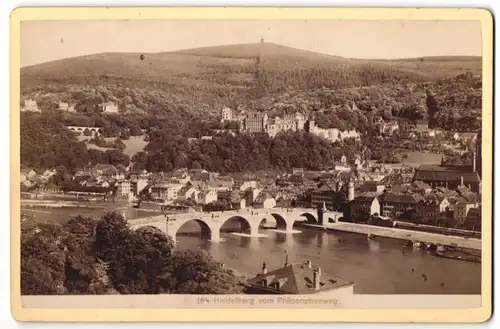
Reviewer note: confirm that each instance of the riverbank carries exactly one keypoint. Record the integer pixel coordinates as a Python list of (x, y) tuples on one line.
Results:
[(401, 234)]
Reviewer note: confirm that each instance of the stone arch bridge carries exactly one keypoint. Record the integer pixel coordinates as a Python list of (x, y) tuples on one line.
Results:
[(250, 219), (93, 130)]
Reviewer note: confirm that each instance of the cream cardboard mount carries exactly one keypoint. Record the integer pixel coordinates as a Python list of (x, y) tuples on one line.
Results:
[(167, 162)]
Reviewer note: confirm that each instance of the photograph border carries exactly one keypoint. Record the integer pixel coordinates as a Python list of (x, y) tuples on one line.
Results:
[(480, 314)]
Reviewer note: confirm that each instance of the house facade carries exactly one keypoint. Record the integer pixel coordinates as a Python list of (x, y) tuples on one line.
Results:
[(264, 200), (365, 205), (123, 187), (432, 207), (207, 197), (226, 114), (461, 210), (394, 205), (165, 191)]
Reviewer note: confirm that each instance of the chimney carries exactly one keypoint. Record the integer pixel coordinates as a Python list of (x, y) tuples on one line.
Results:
[(264, 268), (286, 259), (461, 180), (309, 264), (316, 278)]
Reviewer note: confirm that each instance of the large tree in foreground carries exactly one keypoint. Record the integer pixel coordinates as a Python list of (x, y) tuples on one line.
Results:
[(85, 256)]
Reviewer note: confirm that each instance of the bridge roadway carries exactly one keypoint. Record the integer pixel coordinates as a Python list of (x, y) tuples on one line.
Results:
[(250, 220)]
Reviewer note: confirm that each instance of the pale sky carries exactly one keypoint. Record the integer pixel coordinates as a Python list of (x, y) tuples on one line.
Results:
[(43, 41)]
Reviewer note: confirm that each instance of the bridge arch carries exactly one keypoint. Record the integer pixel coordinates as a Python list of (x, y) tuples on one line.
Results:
[(281, 222), (236, 224), (187, 228), (309, 218)]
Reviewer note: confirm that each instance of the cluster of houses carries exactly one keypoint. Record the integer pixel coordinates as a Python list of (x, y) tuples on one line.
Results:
[(30, 178), (387, 192), (381, 190), (203, 188), (400, 200), (31, 105)]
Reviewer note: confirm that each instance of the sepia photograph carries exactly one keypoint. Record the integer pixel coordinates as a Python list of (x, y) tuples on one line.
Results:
[(247, 163)]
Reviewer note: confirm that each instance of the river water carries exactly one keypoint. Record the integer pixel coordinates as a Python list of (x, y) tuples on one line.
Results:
[(377, 267)]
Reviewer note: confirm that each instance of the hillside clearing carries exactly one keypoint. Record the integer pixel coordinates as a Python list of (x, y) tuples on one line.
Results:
[(133, 145)]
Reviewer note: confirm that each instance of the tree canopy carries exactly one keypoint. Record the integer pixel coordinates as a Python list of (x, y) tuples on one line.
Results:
[(85, 256)]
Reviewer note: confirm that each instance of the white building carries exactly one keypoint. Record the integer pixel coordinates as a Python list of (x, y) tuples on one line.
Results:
[(165, 191), (66, 107), (264, 200), (124, 187), (30, 106), (109, 107), (226, 114)]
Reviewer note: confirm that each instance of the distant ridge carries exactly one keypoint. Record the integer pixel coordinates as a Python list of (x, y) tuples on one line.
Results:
[(231, 74), (269, 51)]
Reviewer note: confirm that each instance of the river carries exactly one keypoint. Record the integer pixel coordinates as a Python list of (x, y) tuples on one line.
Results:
[(377, 267)]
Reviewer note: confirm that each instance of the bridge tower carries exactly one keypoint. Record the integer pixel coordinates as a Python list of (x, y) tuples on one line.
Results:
[(350, 191), (321, 214)]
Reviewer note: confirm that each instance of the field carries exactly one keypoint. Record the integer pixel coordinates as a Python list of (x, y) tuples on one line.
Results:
[(133, 145)]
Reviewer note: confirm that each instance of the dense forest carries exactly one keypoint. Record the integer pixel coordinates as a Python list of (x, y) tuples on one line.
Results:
[(46, 143), (86, 256), (227, 153)]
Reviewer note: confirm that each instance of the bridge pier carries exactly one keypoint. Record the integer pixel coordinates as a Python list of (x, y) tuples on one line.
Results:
[(215, 235), (289, 227), (254, 230)]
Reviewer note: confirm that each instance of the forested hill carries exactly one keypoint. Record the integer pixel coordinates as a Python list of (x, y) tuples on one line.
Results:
[(201, 81)]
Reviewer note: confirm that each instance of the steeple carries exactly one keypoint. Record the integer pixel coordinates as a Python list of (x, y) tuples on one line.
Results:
[(286, 258)]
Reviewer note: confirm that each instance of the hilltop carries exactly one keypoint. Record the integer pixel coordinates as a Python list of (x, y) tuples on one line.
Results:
[(253, 50)]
